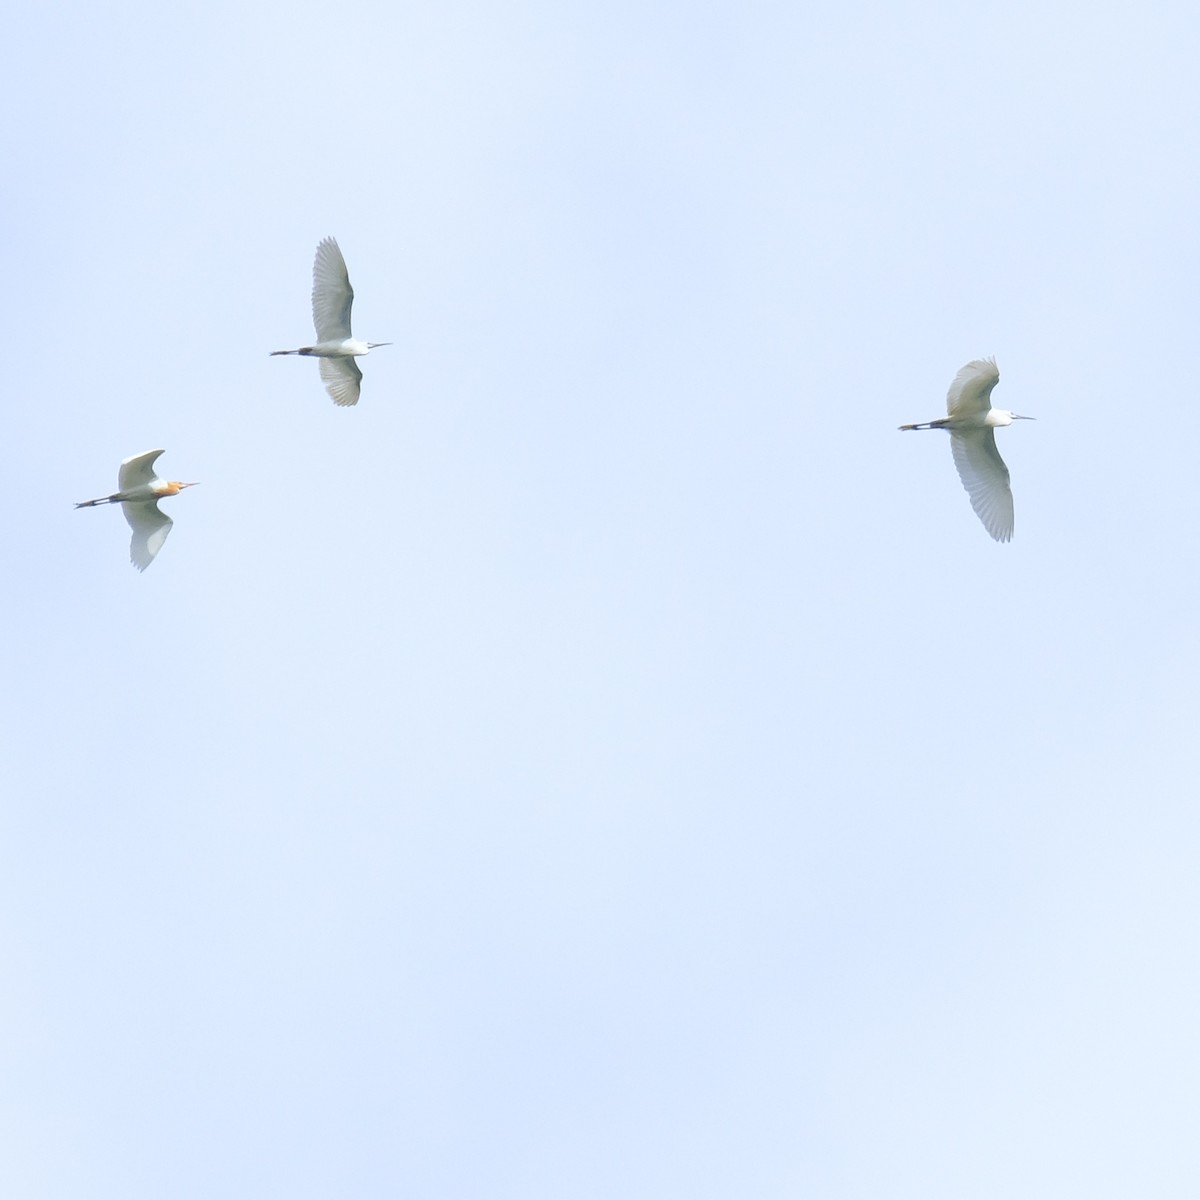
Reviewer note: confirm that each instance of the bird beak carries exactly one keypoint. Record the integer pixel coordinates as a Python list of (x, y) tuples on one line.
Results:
[(183, 485), (372, 345), (1017, 417)]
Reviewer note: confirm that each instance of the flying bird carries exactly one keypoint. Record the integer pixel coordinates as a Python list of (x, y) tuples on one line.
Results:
[(140, 491), (971, 422), (335, 346)]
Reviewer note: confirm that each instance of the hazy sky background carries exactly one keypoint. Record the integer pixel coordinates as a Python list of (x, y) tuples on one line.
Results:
[(611, 761)]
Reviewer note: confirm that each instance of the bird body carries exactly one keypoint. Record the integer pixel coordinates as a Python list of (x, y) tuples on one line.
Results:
[(336, 347), (139, 494), (347, 348), (971, 422)]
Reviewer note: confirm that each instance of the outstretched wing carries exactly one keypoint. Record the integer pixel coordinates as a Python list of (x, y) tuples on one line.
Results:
[(137, 471), (150, 527), (332, 294), (970, 394), (342, 377), (985, 477)]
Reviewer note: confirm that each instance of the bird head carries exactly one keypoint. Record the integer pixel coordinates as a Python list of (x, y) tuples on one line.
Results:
[(174, 487), (1007, 418)]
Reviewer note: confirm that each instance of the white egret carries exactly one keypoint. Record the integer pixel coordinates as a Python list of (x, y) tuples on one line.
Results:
[(335, 346), (971, 422), (141, 490)]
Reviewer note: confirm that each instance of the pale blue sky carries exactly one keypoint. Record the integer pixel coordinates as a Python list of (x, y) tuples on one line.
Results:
[(611, 761)]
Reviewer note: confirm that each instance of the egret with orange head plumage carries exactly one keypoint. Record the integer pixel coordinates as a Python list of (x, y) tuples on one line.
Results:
[(140, 491)]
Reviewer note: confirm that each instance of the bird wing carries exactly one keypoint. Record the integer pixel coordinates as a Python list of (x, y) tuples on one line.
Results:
[(332, 294), (150, 527), (985, 477), (971, 392), (137, 471), (342, 377)]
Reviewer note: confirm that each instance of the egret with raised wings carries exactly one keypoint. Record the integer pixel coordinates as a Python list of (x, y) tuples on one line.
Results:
[(971, 422), (335, 346), (140, 491)]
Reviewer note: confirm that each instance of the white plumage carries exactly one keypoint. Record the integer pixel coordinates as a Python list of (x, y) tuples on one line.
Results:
[(139, 494), (336, 346), (971, 422)]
